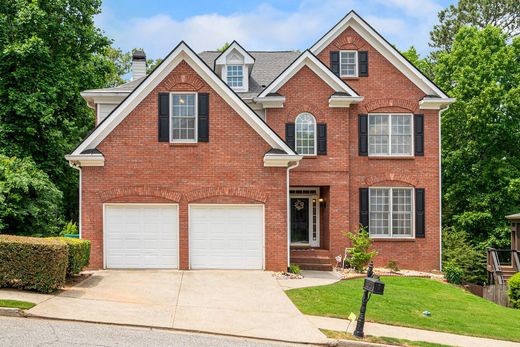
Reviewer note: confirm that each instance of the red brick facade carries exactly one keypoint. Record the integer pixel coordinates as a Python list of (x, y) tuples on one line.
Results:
[(229, 168)]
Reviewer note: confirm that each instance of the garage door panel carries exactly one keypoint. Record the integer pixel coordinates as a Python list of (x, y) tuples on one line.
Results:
[(226, 237), (141, 236)]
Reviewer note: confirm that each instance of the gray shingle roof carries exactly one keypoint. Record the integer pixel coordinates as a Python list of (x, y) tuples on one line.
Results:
[(125, 87)]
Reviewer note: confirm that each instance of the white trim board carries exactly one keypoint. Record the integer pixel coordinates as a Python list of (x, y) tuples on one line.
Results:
[(358, 24), (182, 53), (308, 59)]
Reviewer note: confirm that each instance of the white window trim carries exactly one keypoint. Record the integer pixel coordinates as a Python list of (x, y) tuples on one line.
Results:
[(315, 128), (355, 63), (245, 77), (390, 154), (196, 139), (227, 76), (390, 236)]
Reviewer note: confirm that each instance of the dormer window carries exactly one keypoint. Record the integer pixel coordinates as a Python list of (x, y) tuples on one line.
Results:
[(235, 76)]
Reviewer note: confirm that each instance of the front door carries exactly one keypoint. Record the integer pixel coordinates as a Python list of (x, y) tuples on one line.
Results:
[(300, 220)]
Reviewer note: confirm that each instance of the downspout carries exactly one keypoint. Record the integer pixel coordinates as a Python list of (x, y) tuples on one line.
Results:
[(77, 167), (289, 168), (440, 183)]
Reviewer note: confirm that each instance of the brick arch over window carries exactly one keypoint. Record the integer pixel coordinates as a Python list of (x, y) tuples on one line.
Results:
[(390, 102), (183, 82), (241, 192), (145, 191), (311, 108), (349, 42), (391, 179)]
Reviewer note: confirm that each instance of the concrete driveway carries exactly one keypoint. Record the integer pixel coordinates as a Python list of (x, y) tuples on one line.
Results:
[(242, 303)]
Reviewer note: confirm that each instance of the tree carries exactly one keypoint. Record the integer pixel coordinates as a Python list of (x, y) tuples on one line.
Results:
[(504, 14), (223, 48), (50, 51), (29, 200), (481, 133), (423, 64)]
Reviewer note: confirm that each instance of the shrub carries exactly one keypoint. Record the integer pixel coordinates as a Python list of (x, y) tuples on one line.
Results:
[(393, 266), (78, 253), (32, 263), (514, 290), (360, 253), (71, 228), (29, 201), (453, 273), (295, 269)]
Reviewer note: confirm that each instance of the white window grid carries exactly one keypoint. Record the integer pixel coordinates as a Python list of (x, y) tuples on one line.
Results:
[(348, 63), (391, 212), (390, 134), (305, 135), (183, 117), (235, 76)]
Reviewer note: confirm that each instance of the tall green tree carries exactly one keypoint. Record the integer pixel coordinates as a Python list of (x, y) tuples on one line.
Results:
[(423, 64), (50, 50), (481, 133), (504, 14)]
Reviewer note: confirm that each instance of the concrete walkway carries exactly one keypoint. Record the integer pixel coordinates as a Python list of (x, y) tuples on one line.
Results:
[(310, 279), (376, 329), (240, 303)]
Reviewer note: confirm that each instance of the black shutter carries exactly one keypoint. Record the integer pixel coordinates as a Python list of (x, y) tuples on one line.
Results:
[(334, 62), (419, 213), (418, 121), (363, 134), (363, 207), (289, 135), (164, 117), (322, 139), (363, 64), (203, 117)]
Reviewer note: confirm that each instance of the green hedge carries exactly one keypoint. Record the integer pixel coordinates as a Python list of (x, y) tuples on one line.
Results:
[(79, 254), (514, 290), (32, 263)]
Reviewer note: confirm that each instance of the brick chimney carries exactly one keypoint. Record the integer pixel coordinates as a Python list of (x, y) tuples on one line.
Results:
[(138, 64)]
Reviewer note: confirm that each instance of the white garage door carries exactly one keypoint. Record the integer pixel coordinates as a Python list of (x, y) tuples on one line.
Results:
[(226, 236), (141, 236)]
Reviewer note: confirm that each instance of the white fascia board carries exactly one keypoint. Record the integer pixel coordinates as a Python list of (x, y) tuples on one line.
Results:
[(354, 21), (86, 160), (93, 98), (280, 160), (435, 103), (308, 59), (344, 101), (182, 53), (270, 101), (248, 59)]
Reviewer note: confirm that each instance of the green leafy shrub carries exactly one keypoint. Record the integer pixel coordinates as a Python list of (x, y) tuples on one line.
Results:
[(360, 253), (514, 290), (32, 263), (71, 228), (453, 273), (29, 201), (78, 253), (295, 269), (393, 266)]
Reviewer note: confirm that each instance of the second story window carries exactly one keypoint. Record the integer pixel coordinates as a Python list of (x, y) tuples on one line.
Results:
[(348, 64), (305, 134), (184, 117), (235, 76), (390, 135)]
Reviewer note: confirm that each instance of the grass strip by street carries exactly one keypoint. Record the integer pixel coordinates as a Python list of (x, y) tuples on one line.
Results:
[(452, 309), (24, 305), (339, 335)]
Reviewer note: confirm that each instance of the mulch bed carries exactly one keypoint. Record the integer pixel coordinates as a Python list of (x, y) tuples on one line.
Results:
[(348, 274)]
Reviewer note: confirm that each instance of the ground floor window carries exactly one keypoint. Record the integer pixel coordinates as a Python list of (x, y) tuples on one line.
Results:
[(391, 212)]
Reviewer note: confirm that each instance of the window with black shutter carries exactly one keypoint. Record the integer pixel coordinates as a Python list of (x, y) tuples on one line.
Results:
[(322, 139), (418, 121), (363, 134), (363, 63), (203, 117), (334, 62), (289, 135), (420, 220), (164, 117)]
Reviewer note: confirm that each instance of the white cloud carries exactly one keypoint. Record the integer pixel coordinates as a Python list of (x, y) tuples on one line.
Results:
[(403, 22)]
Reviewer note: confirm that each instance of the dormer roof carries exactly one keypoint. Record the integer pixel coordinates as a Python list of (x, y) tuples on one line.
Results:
[(233, 54)]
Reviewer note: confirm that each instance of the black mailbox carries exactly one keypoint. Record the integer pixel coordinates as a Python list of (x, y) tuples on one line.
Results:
[(374, 285)]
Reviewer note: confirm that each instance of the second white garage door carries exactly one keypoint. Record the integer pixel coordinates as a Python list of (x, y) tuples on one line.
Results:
[(226, 236)]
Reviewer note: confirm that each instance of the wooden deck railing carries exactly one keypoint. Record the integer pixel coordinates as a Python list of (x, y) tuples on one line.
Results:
[(493, 267)]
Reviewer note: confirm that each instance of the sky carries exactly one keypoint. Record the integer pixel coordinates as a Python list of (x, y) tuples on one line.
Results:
[(157, 26)]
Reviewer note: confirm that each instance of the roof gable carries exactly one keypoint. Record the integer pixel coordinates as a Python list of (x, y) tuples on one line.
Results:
[(181, 53), (310, 60), (358, 24), (234, 49)]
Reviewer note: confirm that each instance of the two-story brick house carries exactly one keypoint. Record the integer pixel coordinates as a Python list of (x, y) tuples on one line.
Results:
[(254, 160)]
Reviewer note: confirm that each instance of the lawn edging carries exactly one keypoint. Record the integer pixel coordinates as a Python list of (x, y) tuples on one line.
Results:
[(12, 312)]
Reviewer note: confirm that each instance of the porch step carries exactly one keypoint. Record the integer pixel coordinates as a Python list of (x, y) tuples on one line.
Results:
[(301, 259), (311, 259), (508, 272)]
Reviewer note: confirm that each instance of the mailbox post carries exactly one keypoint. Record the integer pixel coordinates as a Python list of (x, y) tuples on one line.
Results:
[(371, 285)]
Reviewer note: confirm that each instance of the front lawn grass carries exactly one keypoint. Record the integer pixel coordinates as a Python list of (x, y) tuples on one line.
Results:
[(340, 335), (24, 305), (452, 309)]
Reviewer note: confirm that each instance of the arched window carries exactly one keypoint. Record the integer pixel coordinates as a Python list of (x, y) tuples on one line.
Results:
[(306, 134)]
